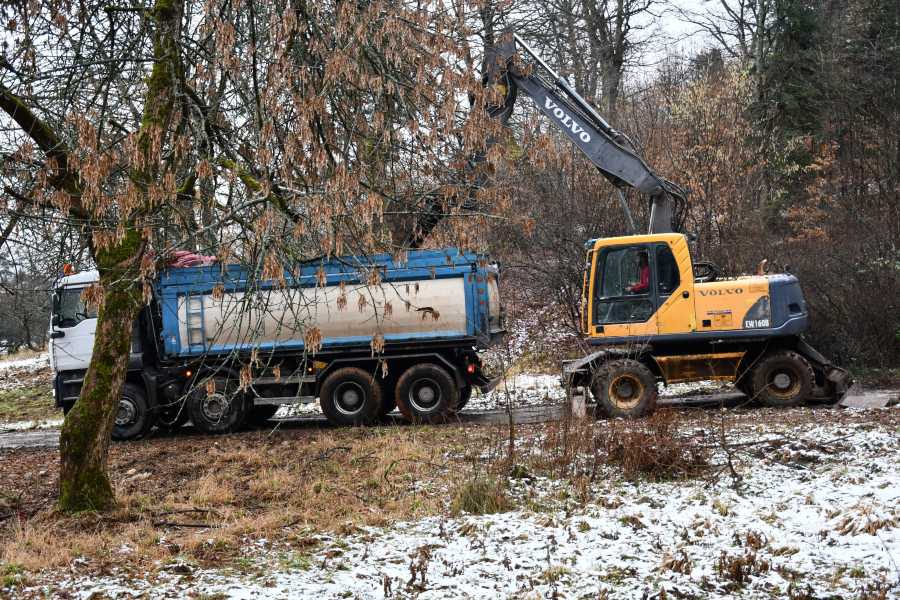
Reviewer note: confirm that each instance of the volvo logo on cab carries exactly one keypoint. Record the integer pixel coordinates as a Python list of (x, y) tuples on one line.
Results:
[(567, 120), (722, 292)]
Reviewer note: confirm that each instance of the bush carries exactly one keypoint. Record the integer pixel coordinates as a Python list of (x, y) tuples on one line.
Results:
[(652, 448), (480, 496)]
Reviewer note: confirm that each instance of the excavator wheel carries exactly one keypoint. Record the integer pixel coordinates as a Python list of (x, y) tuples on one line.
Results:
[(745, 385), (783, 379), (624, 388)]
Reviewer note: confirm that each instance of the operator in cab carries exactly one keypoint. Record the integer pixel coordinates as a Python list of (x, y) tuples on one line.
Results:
[(643, 284)]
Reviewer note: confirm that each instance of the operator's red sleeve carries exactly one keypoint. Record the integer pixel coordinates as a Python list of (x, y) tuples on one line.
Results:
[(645, 280)]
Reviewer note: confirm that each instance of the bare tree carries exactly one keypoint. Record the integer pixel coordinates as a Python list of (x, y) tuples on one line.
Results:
[(741, 28)]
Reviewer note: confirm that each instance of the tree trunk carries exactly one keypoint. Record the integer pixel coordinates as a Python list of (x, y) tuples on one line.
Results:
[(85, 436), (612, 76), (84, 440)]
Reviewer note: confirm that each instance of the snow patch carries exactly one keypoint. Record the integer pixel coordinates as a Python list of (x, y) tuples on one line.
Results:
[(820, 510)]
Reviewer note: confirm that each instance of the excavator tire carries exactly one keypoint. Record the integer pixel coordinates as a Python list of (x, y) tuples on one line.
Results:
[(624, 388), (745, 385), (783, 379)]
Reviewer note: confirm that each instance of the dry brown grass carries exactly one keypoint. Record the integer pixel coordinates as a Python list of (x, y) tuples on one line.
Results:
[(581, 450), (738, 570), (177, 494), (480, 496), (654, 448), (195, 498)]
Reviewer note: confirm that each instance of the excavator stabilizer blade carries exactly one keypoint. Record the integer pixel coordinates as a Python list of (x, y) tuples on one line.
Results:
[(857, 397)]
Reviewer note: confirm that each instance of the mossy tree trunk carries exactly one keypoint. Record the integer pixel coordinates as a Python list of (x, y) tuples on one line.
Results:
[(84, 440)]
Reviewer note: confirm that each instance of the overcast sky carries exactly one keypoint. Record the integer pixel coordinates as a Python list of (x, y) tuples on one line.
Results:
[(672, 35)]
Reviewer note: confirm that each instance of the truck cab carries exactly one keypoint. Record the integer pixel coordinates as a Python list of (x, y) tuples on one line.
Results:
[(72, 327)]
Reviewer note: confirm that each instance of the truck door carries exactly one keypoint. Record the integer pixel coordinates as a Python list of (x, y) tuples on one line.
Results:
[(624, 295), (72, 330)]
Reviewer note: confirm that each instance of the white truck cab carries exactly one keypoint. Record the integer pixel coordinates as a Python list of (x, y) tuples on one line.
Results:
[(72, 324)]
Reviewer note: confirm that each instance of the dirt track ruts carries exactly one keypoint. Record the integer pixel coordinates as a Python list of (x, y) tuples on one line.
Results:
[(49, 438)]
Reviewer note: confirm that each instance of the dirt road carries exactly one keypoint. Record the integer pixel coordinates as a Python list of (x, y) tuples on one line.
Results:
[(49, 438)]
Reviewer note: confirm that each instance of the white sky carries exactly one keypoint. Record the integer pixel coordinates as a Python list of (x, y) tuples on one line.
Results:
[(673, 34)]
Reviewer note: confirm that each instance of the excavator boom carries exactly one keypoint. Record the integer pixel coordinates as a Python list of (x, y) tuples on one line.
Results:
[(610, 151)]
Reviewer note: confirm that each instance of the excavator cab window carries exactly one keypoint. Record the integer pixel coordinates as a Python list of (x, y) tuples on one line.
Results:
[(623, 286), (667, 272)]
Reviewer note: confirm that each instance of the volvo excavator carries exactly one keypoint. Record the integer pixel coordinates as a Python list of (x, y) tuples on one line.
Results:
[(650, 312)]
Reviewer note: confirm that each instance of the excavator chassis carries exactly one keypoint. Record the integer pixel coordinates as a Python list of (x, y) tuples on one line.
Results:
[(733, 363)]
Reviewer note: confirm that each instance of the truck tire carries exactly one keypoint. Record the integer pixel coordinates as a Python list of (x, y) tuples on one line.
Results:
[(426, 393), (133, 417), (260, 414), (350, 396), (222, 411), (465, 394), (624, 388), (783, 379), (172, 416)]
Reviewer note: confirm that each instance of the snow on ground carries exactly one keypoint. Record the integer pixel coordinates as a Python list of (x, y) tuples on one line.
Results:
[(674, 390), (816, 515), (32, 364), (525, 389), (25, 372), (28, 425)]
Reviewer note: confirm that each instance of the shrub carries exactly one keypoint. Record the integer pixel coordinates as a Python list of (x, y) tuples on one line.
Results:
[(653, 448), (480, 496)]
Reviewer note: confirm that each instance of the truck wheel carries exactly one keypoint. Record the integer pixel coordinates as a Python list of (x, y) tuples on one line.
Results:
[(350, 396), (624, 388), (783, 379), (426, 393), (258, 415), (133, 418), (172, 416), (218, 410), (465, 394)]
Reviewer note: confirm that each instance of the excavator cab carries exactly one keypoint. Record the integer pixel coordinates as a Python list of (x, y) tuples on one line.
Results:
[(638, 286)]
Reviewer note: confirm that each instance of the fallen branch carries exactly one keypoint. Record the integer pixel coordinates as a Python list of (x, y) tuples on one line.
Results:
[(194, 525)]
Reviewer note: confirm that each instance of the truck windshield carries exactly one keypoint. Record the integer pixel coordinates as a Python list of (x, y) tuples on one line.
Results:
[(69, 308)]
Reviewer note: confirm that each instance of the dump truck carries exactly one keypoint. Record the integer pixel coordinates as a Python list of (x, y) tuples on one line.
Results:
[(219, 345), (650, 311)]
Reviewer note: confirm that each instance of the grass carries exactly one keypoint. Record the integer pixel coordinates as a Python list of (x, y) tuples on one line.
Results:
[(22, 354), (480, 496), (33, 403), (196, 500), (290, 486)]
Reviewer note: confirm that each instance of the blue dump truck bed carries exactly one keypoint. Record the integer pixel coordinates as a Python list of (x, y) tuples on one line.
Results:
[(371, 302)]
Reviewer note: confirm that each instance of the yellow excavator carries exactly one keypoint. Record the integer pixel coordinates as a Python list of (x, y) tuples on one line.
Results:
[(652, 313)]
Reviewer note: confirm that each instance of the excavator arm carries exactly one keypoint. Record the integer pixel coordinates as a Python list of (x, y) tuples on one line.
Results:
[(609, 150)]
